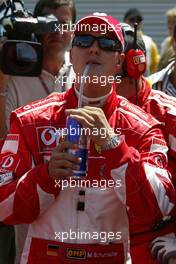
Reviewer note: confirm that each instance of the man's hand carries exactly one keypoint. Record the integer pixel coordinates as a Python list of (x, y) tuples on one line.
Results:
[(62, 164), (94, 120), (164, 249)]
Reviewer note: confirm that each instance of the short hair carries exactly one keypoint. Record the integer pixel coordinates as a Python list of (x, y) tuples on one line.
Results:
[(133, 13), (171, 13), (53, 4)]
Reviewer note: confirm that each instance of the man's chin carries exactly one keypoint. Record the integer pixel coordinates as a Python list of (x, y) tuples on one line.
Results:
[(95, 93), (94, 67), (95, 71)]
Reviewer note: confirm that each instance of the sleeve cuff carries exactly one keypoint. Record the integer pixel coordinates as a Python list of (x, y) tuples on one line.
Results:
[(121, 154), (45, 181)]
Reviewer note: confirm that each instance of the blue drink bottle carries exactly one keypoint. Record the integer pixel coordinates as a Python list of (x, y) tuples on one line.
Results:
[(75, 134)]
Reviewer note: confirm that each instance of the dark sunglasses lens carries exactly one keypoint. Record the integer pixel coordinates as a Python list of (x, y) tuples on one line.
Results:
[(85, 41), (108, 44), (82, 41)]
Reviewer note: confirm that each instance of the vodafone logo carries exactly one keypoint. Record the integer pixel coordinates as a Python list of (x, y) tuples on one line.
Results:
[(48, 136)]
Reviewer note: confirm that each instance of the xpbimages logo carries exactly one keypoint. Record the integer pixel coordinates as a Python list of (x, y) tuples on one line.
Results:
[(83, 183), (95, 79), (102, 28), (103, 237), (101, 132)]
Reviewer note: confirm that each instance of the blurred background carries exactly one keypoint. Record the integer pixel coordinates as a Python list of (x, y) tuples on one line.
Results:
[(154, 19)]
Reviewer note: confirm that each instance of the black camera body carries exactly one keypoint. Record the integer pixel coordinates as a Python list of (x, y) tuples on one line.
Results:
[(22, 54)]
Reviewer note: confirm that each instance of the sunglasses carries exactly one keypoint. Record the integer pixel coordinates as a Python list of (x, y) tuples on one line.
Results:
[(86, 41)]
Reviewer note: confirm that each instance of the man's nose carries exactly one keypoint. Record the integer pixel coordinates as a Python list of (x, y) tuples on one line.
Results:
[(94, 48)]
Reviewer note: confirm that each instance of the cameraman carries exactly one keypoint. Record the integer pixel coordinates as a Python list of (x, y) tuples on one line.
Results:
[(16, 91)]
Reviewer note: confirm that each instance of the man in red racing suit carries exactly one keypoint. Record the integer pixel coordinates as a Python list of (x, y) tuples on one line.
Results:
[(163, 108), (36, 186)]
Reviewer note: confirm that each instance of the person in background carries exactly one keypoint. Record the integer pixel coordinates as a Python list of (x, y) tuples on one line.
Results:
[(163, 108), (165, 80), (16, 91), (137, 157), (133, 15), (167, 52)]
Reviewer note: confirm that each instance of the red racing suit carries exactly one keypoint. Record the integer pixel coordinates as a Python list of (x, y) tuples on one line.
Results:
[(163, 108), (29, 195)]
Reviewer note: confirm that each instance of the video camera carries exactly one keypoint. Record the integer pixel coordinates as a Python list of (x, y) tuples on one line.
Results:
[(22, 53)]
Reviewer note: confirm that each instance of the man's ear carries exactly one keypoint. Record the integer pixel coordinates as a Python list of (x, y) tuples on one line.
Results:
[(122, 58), (71, 56), (119, 62)]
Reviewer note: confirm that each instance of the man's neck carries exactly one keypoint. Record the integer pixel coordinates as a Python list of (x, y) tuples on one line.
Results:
[(127, 88), (93, 90), (93, 101), (53, 65)]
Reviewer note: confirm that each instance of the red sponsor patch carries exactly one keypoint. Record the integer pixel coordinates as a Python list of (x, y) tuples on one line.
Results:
[(11, 144), (139, 59), (47, 138), (9, 162)]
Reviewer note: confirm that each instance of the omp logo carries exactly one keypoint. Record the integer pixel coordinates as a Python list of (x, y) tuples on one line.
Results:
[(76, 253), (139, 59)]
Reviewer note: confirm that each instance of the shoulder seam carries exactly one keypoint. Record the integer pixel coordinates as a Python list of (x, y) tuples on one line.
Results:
[(39, 107)]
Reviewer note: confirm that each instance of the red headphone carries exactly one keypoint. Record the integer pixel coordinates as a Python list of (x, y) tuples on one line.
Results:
[(135, 59)]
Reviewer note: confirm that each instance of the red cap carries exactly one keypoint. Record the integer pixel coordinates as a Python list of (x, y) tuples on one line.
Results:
[(97, 20)]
